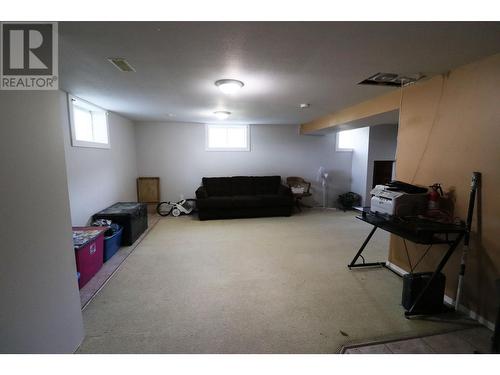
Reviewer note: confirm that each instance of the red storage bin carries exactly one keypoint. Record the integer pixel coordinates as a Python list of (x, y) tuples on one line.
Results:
[(88, 243)]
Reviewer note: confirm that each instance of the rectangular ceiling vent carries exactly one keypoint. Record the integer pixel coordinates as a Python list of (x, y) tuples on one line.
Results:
[(121, 64), (391, 79)]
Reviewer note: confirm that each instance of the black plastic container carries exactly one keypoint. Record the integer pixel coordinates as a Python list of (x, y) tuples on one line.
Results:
[(432, 301), (131, 216)]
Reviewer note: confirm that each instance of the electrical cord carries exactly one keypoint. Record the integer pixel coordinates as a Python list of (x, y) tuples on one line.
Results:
[(423, 256), (399, 112), (400, 103), (413, 268), (408, 256), (434, 121)]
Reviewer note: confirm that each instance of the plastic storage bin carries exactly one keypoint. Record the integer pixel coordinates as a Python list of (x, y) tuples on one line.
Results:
[(112, 243), (88, 243)]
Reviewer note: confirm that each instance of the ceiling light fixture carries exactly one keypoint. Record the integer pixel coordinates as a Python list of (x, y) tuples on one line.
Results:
[(304, 105), (222, 115), (229, 86)]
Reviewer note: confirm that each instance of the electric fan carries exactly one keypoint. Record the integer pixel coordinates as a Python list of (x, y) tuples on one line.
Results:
[(322, 177)]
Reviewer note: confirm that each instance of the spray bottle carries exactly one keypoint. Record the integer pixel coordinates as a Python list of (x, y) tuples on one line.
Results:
[(434, 196)]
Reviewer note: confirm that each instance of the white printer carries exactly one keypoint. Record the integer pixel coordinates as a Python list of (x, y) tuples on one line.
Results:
[(398, 199)]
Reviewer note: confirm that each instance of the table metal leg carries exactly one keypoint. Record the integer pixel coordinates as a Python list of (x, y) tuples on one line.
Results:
[(358, 254), (439, 268)]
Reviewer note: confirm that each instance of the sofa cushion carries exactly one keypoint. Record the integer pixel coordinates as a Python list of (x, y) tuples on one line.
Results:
[(236, 202), (247, 201), (218, 186), (275, 200), (242, 185), (215, 202), (266, 184)]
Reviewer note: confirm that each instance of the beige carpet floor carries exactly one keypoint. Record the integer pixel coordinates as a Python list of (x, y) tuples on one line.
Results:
[(265, 285), (109, 267)]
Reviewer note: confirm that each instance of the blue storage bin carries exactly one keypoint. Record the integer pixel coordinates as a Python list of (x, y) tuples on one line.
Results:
[(112, 243)]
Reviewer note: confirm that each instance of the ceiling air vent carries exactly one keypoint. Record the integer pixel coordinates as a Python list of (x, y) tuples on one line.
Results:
[(121, 64), (391, 79)]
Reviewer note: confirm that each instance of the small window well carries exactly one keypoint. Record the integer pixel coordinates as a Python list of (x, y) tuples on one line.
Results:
[(345, 140), (227, 137), (89, 124)]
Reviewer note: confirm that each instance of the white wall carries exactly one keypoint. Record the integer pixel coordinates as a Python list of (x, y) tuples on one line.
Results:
[(382, 146), (175, 152), (97, 178), (371, 143), (359, 168), (40, 304)]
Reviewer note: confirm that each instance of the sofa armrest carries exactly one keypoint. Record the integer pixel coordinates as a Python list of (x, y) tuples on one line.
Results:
[(284, 190), (201, 193)]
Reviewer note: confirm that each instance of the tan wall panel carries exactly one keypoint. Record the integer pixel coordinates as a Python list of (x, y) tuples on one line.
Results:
[(450, 127)]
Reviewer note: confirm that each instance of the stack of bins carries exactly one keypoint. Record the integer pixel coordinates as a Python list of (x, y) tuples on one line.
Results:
[(88, 243), (131, 216)]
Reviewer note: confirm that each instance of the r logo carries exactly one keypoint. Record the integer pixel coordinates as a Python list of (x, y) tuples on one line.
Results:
[(28, 56), (29, 49)]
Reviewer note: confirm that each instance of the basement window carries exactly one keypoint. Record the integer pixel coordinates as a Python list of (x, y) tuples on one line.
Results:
[(345, 140), (227, 137), (88, 123)]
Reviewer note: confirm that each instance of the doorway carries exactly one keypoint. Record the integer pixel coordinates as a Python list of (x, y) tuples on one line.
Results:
[(382, 172)]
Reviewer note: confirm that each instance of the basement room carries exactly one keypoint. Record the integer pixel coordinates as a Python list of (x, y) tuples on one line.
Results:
[(234, 186)]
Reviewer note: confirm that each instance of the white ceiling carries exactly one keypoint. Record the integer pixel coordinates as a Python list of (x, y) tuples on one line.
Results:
[(282, 64)]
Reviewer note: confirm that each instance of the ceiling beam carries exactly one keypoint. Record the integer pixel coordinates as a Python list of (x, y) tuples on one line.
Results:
[(381, 104)]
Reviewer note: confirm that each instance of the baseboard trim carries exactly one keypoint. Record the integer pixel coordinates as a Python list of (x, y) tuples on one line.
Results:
[(401, 272), (472, 314), (449, 301)]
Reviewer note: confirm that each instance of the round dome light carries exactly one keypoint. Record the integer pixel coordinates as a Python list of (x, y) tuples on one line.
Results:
[(222, 115), (229, 86)]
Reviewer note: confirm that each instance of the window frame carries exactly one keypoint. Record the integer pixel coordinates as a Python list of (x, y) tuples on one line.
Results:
[(225, 149), (341, 149), (92, 108)]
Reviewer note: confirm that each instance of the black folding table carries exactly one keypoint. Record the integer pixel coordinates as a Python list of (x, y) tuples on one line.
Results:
[(417, 230)]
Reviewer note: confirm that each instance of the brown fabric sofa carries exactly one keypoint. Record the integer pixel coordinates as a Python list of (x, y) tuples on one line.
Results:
[(243, 196)]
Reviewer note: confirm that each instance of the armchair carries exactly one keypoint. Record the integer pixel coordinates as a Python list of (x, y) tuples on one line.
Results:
[(300, 189)]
